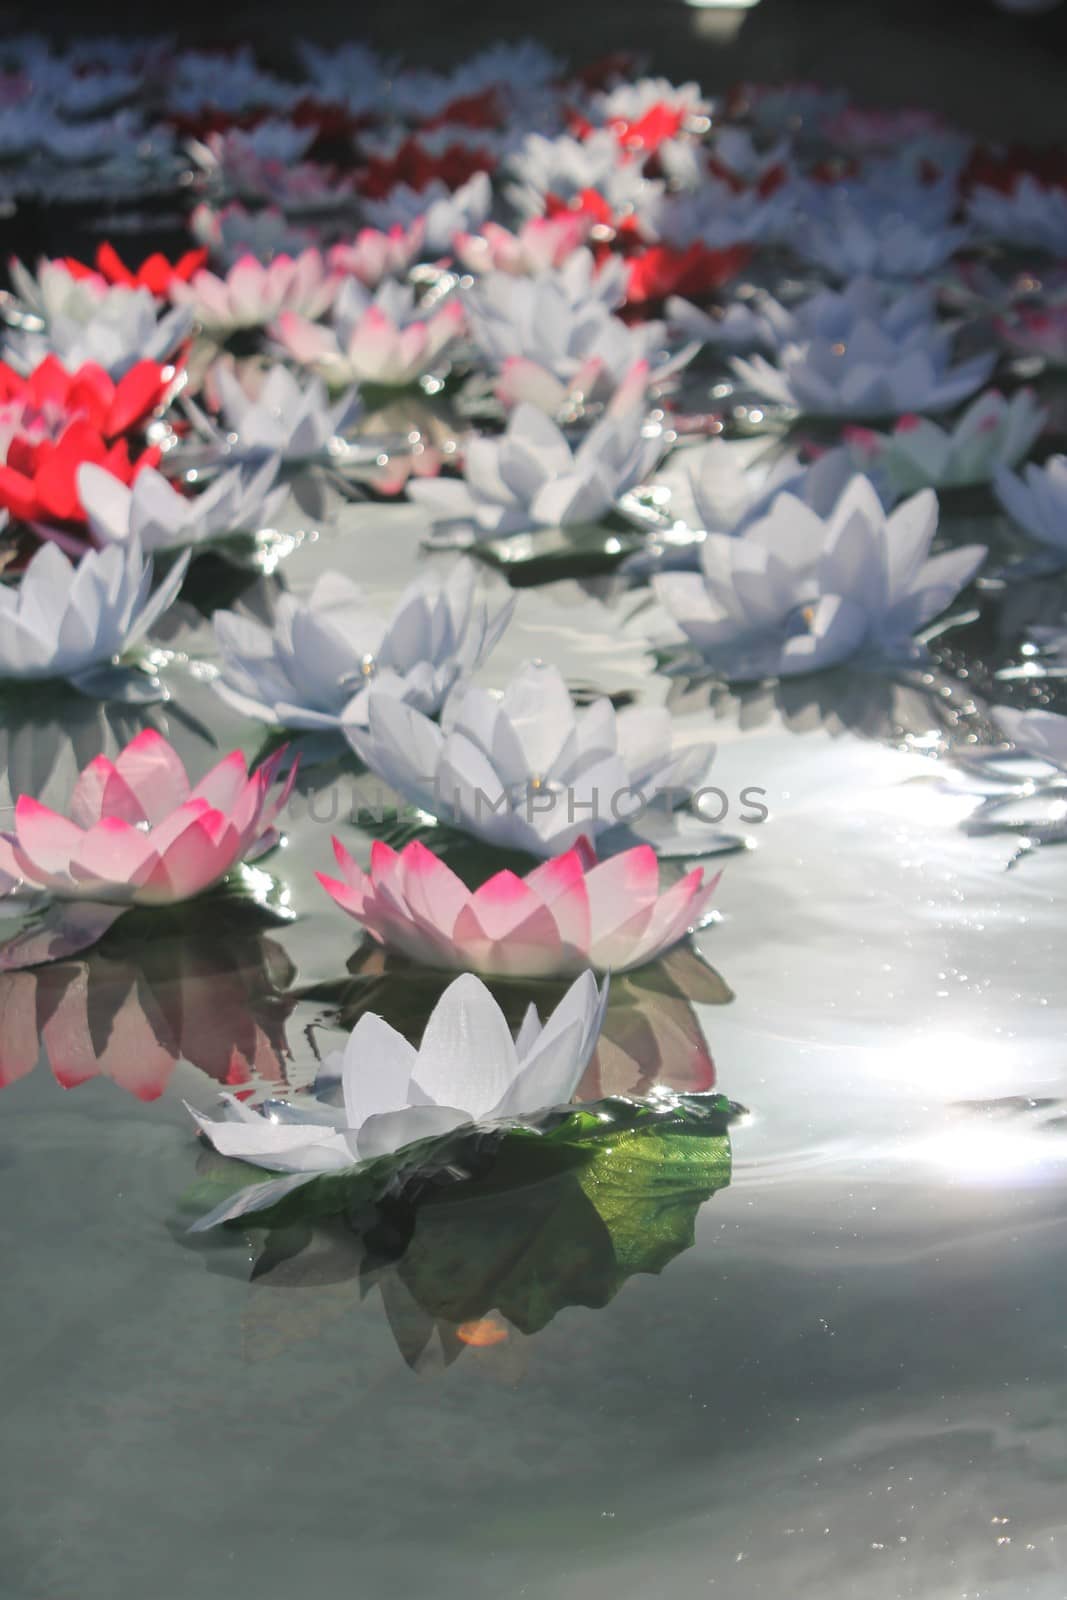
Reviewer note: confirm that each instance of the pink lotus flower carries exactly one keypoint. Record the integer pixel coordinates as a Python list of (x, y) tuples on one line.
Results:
[(540, 244), (252, 294), (568, 914), (379, 339), (138, 834), (374, 254)]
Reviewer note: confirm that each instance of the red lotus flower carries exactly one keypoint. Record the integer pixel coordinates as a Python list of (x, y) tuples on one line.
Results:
[(482, 110), (155, 272), (1002, 169), (619, 233), (91, 393), (692, 273), (645, 135), (412, 164), (38, 482)]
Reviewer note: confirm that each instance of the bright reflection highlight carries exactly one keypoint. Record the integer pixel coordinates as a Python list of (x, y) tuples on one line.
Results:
[(991, 1153)]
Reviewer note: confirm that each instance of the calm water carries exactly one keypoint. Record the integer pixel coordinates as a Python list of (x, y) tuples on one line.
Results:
[(852, 1384)]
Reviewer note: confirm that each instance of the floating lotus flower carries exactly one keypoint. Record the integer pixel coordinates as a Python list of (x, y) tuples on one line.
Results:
[(1031, 215), (374, 255), (439, 211), (111, 408), (253, 294), (467, 1069), (74, 622), (39, 477), (738, 327), (315, 667), (567, 914), (529, 477), (155, 515), (524, 769), (565, 168), (796, 592), (886, 226), (918, 454), (110, 328), (721, 217), (1038, 500), (541, 244), (231, 232), (556, 347), (155, 272), (284, 418), (868, 374), (711, 489), (380, 339), (138, 833)]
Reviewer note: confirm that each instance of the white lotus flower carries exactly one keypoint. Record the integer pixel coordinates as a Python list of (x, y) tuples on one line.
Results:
[(468, 1069), (86, 321), (384, 338), (66, 621), (739, 328), (273, 139), (918, 454), (885, 225), (253, 294), (317, 664), (714, 214), (761, 322), (868, 373), (524, 769), (712, 488), (439, 212), (231, 232), (1032, 216), (529, 477), (553, 345), (286, 419), (796, 592), (1038, 500), (226, 81), (155, 516)]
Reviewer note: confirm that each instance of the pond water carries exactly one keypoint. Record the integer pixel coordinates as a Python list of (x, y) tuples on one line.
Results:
[(851, 1382)]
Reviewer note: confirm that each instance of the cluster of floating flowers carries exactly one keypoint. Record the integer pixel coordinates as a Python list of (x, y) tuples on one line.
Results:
[(567, 258)]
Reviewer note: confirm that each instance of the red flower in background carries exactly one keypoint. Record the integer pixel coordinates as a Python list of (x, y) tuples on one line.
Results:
[(90, 393), (39, 480), (693, 273), (1002, 170), (483, 110), (412, 164), (155, 272)]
